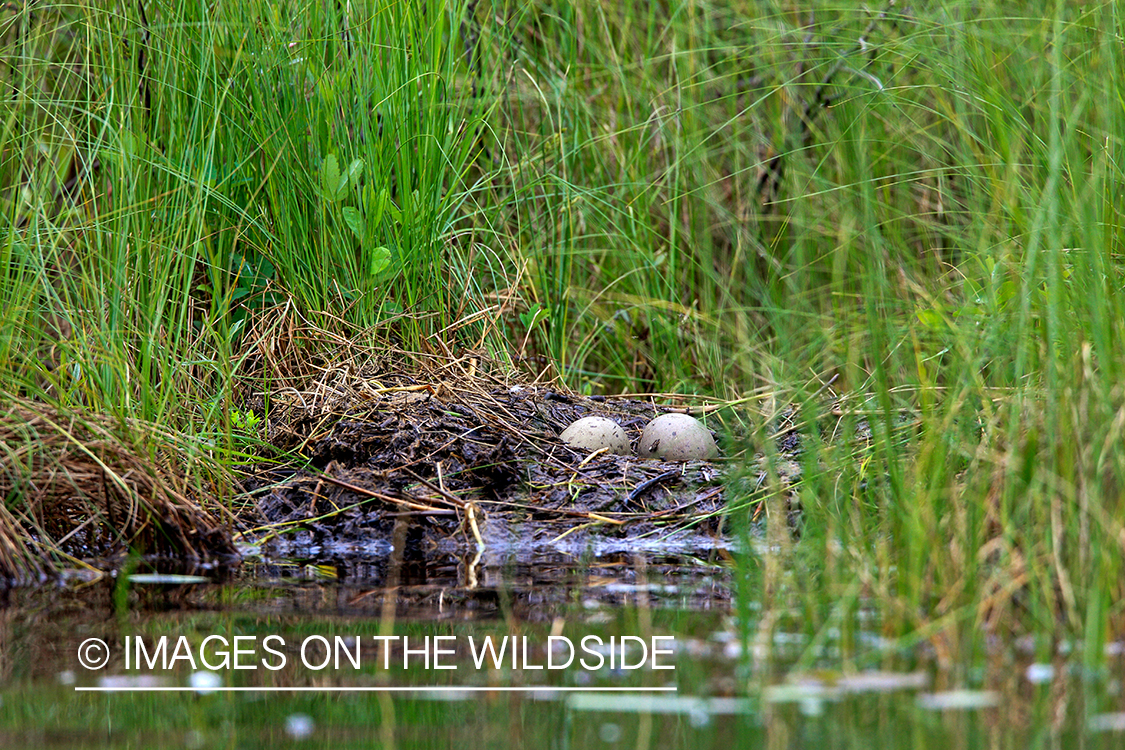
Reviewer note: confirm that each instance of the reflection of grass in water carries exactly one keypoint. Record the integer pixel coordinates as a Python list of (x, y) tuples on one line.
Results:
[(713, 201), (862, 712)]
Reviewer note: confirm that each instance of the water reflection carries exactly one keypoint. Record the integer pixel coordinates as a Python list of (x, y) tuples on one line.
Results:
[(738, 679)]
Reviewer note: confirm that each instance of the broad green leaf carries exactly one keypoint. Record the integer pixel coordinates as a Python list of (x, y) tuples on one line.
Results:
[(355, 170), (354, 221), (930, 319), (332, 182), (378, 260)]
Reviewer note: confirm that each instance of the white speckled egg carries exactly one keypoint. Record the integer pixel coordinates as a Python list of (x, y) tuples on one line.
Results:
[(677, 437), (592, 433)]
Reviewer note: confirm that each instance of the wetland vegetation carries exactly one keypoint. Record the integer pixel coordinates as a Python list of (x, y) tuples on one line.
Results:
[(897, 229)]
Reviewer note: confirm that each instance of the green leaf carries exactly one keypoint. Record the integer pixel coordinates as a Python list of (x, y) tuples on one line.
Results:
[(383, 203), (332, 182), (396, 212), (930, 319), (378, 205), (378, 260), (354, 221), (534, 316), (355, 170)]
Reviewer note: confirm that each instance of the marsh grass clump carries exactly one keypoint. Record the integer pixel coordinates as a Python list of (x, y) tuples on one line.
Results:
[(95, 489)]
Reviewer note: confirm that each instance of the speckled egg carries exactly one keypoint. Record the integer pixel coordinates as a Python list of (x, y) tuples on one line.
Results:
[(677, 437), (592, 433)]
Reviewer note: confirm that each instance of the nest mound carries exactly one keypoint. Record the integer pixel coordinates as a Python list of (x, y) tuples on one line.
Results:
[(467, 452)]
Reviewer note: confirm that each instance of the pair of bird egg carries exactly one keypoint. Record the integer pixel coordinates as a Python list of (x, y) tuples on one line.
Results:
[(672, 437)]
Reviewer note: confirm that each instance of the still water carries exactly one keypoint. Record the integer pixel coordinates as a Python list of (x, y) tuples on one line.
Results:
[(595, 651)]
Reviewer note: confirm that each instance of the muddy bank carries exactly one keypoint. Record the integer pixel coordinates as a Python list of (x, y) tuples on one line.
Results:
[(433, 456)]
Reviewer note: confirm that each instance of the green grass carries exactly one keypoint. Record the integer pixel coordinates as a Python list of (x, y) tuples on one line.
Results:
[(585, 182)]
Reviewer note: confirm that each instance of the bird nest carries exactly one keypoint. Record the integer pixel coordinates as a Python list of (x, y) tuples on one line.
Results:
[(467, 453)]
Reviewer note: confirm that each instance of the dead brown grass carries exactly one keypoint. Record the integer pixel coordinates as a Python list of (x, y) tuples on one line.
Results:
[(89, 487)]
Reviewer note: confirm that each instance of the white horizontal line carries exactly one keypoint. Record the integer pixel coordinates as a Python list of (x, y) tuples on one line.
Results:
[(388, 689)]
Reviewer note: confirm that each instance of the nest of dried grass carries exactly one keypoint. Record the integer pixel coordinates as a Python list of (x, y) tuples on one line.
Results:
[(81, 487), (455, 443)]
